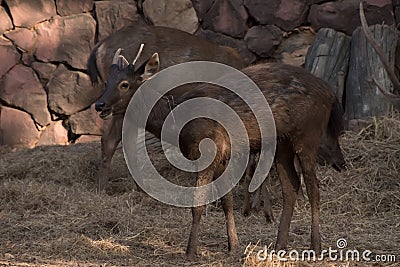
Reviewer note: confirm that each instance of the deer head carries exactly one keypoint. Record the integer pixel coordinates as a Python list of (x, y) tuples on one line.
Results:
[(123, 81)]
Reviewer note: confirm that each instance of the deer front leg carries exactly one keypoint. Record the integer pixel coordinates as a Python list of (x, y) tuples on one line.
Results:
[(204, 177), (109, 143), (248, 175), (290, 186), (307, 162)]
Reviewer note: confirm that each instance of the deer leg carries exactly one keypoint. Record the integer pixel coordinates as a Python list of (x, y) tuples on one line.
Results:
[(227, 205), (204, 177), (248, 175), (307, 162), (109, 143), (290, 186), (267, 206)]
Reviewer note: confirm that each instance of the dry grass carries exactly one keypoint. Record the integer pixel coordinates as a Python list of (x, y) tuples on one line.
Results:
[(50, 214)]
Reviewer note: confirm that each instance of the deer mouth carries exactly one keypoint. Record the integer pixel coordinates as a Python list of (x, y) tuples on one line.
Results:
[(106, 114)]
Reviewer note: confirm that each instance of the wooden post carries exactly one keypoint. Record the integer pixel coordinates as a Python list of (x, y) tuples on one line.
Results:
[(328, 58), (363, 99)]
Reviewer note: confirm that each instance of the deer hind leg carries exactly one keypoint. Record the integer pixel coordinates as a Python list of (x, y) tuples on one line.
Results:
[(109, 143), (267, 205), (307, 159), (248, 175), (204, 177), (290, 183)]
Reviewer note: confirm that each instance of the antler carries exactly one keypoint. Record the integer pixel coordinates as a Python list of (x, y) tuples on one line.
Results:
[(120, 60), (116, 56), (138, 54)]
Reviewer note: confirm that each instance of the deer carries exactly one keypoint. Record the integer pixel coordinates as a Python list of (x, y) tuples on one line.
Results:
[(175, 46), (303, 107), (393, 98)]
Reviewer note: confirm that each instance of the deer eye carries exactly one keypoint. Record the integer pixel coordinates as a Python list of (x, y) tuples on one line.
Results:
[(124, 86)]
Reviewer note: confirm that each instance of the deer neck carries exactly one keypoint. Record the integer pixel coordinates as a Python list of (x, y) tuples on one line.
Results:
[(159, 113)]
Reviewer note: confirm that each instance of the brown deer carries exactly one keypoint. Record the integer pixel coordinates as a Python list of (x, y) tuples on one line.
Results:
[(303, 108), (173, 45), (394, 99)]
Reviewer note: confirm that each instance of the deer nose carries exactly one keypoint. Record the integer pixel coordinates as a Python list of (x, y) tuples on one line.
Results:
[(99, 106)]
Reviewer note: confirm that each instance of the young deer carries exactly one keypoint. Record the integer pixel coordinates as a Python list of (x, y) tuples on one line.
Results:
[(173, 45), (303, 108)]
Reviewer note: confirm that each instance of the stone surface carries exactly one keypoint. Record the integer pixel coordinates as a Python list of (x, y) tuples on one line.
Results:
[(66, 39), (28, 13), (54, 134), (68, 7), (70, 91), (202, 7), (286, 14), (178, 14), (28, 59), (222, 39), (44, 70), (86, 122), (5, 21), (263, 40), (17, 128), (22, 37), (293, 48), (113, 15), (343, 15), (227, 17), (21, 88), (9, 56)]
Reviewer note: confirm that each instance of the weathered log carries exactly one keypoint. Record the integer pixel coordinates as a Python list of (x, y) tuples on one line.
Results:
[(328, 58), (363, 98)]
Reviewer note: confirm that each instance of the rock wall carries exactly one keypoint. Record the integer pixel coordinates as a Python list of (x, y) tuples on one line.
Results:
[(46, 96)]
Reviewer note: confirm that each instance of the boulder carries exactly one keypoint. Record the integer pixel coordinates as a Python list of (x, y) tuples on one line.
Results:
[(66, 39), (202, 7), (113, 15), (86, 122), (70, 91), (178, 14), (53, 134), (286, 14), (67, 7), (9, 56), (227, 17), (29, 13), (343, 15), (17, 128), (222, 39), (23, 38), (5, 21), (21, 88), (263, 39)]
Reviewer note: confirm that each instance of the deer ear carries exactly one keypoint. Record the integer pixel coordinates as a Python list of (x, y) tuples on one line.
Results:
[(152, 67)]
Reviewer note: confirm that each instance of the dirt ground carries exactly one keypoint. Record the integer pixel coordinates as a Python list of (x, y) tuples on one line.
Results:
[(51, 215)]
